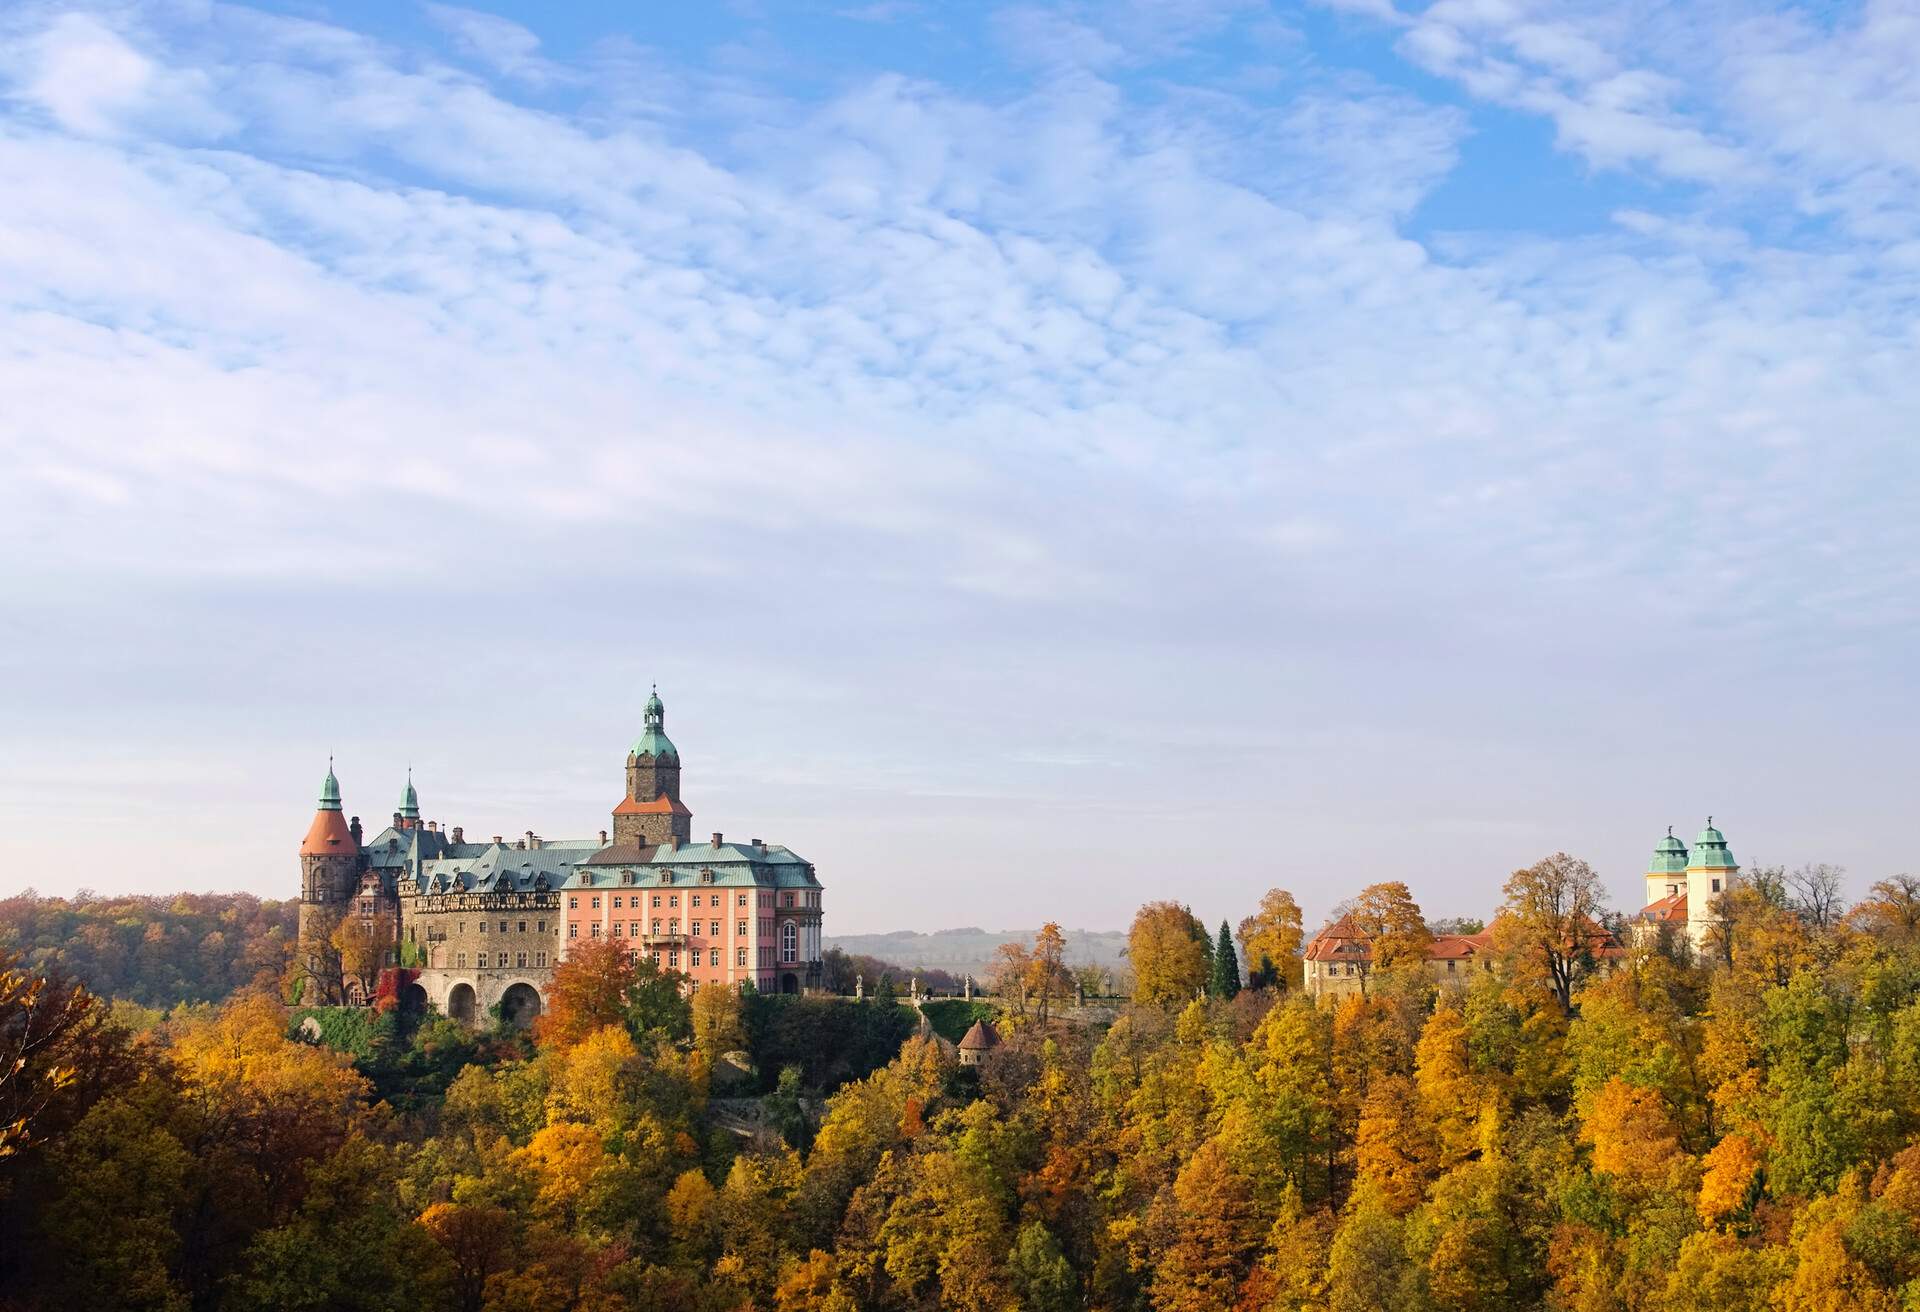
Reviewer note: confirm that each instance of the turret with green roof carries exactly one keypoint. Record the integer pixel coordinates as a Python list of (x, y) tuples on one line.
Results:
[(409, 800), (1710, 851), (653, 740), (329, 790)]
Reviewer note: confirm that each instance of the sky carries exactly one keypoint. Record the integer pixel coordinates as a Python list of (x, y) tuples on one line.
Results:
[(1048, 458)]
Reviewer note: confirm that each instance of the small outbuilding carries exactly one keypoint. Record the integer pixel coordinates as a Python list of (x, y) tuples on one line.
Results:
[(977, 1042)]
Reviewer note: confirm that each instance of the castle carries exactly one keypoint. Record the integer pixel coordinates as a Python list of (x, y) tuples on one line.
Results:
[(484, 924), (1681, 891)]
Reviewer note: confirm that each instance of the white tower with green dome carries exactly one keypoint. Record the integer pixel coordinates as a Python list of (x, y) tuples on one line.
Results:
[(1711, 871)]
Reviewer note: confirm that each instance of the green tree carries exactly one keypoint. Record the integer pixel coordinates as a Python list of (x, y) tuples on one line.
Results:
[(1226, 966), (1041, 1273)]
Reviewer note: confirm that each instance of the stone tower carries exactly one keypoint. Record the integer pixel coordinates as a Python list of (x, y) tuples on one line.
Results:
[(329, 873), (652, 813)]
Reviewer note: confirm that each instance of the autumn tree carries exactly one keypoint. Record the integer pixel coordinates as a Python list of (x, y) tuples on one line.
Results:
[(1548, 924), (588, 992), (715, 1010), (1271, 935), (1891, 911), (1009, 974), (1388, 918), (1046, 972), (1168, 950), (360, 944), (1217, 1234)]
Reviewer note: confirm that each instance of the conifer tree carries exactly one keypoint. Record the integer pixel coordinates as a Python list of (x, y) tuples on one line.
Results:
[(1226, 966)]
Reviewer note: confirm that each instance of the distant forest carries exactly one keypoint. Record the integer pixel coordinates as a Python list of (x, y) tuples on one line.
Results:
[(156, 951)]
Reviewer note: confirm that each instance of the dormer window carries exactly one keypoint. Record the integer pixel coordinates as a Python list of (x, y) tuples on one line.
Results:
[(706, 876), (666, 876)]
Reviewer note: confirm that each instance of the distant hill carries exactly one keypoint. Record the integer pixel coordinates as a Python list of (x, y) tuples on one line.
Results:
[(971, 949)]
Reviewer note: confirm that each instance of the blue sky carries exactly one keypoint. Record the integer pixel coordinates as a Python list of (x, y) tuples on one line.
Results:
[(1049, 456)]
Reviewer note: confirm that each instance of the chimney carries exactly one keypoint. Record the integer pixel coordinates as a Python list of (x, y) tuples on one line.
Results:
[(496, 840), (459, 834), (533, 842), (433, 826), (759, 846), (603, 838), (671, 842), (354, 827), (396, 819), (716, 838)]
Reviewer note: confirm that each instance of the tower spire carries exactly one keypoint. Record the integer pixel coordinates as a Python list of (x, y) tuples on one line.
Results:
[(330, 789)]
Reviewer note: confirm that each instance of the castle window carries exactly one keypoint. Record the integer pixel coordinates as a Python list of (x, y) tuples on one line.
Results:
[(460, 960), (596, 904), (741, 929), (656, 899), (696, 927), (543, 927), (666, 876), (503, 927), (789, 944), (616, 929), (523, 927), (713, 928), (573, 904), (787, 899), (673, 926), (673, 960), (480, 962), (674, 900), (633, 929), (520, 959), (1450, 966), (739, 899), (539, 958), (713, 956), (1716, 886), (616, 904), (483, 927), (594, 930), (739, 956), (656, 927), (706, 876), (573, 931)]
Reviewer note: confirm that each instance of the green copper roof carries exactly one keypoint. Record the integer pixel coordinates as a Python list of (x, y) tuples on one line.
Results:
[(654, 741), (410, 801), (1670, 857), (1710, 850), (330, 790)]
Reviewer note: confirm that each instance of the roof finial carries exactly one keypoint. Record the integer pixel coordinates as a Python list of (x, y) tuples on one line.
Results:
[(1669, 831), (1709, 822)]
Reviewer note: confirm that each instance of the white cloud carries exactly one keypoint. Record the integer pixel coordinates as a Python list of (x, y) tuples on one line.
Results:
[(982, 410)]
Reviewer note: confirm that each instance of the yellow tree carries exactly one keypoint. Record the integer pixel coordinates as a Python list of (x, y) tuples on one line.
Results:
[(1451, 1098), (1008, 973), (1390, 920), (1393, 1147), (1272, 934), (1548, 924), (1168, 949), (716, 1020), (1217, 1235), (1046, 973), (1891, 911), (361, 942)]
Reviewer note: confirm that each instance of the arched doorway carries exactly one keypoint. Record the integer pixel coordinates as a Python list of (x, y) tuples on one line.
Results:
[(519, 1005), (460, 1003), (413, 999), (789, 983)]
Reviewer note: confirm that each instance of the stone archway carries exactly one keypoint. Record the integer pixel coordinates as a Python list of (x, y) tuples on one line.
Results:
[(460, 1003), (789, 983), (413, 999), (519, 1005)]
